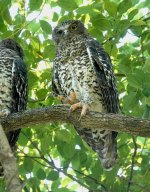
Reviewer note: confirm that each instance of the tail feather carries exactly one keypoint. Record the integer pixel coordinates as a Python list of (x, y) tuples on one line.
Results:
[(103, 142)]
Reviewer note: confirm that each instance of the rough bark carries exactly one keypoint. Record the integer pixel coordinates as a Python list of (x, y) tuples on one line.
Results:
[(8, 162), (60, 113)]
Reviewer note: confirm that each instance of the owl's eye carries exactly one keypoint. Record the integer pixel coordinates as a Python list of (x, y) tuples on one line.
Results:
[(73, 27), (59, 32)]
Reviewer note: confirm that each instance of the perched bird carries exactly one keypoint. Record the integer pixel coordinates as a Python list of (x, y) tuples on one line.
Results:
[(83, 76), (13, 83)]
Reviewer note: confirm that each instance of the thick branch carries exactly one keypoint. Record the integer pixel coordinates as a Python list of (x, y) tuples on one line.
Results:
[(8, 162), (59, 113)]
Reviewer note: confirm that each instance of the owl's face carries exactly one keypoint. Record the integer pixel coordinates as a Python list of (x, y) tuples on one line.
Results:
[(68, 29)]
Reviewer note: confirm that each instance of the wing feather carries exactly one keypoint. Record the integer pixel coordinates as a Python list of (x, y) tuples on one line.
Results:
[(19, 93), (105, 76), (56, 86)]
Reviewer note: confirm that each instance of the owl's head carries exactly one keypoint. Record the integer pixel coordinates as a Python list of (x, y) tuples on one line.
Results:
[(68, 29), (13, 45)]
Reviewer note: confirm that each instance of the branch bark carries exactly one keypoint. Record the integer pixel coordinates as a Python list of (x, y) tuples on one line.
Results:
[(92, 120), (8, 162)]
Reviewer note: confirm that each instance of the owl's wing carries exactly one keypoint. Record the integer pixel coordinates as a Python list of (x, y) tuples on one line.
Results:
[(105, 76), (19, 93), (56, 85)]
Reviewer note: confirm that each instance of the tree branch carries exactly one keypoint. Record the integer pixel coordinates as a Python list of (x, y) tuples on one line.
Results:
[(92, 120), (8, 162)]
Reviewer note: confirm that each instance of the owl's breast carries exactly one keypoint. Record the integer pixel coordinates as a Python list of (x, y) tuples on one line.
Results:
[(76, 73), (5, 83)]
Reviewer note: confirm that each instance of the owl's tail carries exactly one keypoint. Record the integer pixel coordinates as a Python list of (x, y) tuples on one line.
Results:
[(104, 143), (108, 153)]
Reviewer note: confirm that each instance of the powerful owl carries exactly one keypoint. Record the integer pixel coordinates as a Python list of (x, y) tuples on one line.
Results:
[(83, 77), (13, 83)]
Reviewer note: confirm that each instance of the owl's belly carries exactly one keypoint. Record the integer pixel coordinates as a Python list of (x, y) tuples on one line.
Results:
[(80, 77), (5, 88)]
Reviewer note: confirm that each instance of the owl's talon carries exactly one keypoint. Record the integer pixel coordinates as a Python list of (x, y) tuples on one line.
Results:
[(60, 97), (84, 106), (75, 106), (72, 96)]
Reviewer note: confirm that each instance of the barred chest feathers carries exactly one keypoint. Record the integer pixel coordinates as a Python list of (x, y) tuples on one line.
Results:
[(76, 72), (6, 71)]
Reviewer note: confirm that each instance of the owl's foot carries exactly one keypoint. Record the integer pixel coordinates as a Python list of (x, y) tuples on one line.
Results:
[(60, 97), (4, 113), (68, 100), (72, 97), (84, 106)]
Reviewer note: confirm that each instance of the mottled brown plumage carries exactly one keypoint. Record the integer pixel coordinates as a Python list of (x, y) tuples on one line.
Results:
[(13, 83), (83, 67)]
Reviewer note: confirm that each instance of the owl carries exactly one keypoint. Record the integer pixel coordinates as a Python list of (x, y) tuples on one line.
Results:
[(13, 83), (83, 77)]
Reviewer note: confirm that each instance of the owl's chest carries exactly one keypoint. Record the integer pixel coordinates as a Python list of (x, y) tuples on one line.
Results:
[(75, 69), (5, 83)]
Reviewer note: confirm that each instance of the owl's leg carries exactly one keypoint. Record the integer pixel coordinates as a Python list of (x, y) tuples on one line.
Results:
[(71, 98), (68, 100), (60, 97), (85, 107)]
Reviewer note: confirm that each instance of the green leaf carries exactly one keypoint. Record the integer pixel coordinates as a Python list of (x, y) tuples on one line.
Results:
[(53, 175), (146, 46), (46, 143), (63, 135), (124, 6), (130, 100), (67, 5), (146, 101), (42, 93), (63, 190), (28, 164), (67, 150), (55, 17), (100, 22), (146, 67), (49, 52), (136, 79), (138, 23), (4, 5), (41, 175), (46, 27), (33, 26), (7, 17), (146, 112), (22, 140), (132, 14), (88, 9), (32, 78), (110, 7), (55, 185), (76, 161), (35, 4)]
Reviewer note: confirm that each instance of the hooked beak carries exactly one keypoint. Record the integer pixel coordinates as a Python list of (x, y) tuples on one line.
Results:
[(66, 32)]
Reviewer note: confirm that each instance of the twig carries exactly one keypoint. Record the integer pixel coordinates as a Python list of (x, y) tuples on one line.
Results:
[(87, 176), (8, 162), (132, 164)]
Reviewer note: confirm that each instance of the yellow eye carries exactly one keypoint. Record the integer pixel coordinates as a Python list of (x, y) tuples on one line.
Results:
[(74, 27)]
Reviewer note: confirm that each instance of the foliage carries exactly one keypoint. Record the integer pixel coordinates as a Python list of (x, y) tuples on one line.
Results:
[(53, 157)]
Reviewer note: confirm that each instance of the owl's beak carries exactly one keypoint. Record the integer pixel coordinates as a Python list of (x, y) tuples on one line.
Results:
[(66, 32)]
